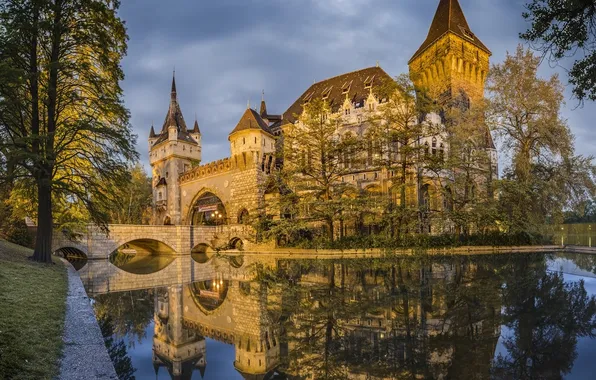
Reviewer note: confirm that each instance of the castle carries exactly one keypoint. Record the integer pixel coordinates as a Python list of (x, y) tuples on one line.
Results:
[(452, 62)]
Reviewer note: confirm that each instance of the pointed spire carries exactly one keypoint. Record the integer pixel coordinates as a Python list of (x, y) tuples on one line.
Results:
[(248, 104), (152, 132), (174, 85), (263, 110), (196, 126), (449, 18)]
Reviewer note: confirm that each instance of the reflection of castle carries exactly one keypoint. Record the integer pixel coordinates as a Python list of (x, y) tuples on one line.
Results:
[(435, 320), (175, 347), (228, 311), (452, 62)]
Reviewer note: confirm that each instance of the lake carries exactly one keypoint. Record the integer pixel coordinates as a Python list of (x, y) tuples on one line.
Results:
[(505, 316)]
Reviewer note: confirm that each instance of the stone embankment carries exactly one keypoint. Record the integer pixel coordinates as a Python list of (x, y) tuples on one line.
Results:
[(84, 355)]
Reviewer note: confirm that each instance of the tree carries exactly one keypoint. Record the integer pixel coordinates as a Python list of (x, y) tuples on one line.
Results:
[(566, 28), (394, 144), (525, 111), (318, 157), (63, 124), (134, 199), (464, 171)]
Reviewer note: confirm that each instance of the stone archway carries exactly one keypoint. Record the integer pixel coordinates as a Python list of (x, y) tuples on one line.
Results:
[(208, 209)]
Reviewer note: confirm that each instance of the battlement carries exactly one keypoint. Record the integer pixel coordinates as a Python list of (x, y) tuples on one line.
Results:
[(212, 168)]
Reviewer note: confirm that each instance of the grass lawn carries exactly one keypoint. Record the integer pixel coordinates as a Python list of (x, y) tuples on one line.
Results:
[(32, 309)]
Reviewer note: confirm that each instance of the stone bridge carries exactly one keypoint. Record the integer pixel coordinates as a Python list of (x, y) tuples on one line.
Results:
[(97, 244)]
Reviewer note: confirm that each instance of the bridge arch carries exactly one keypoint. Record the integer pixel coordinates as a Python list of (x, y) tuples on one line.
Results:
[(144, 244), (236, 243)]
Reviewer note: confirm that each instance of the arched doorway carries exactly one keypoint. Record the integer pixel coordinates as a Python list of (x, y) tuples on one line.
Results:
[(208, 210)]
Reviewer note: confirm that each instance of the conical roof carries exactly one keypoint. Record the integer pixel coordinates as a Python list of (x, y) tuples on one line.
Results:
[(196, 127), (174, 117), (449, 18), (251, 120), (263, 110)]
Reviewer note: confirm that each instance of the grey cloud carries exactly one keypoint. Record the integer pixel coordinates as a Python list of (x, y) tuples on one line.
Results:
[(226, 52)]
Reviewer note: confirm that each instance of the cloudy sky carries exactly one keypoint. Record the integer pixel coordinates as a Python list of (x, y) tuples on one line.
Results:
[(226, 52)]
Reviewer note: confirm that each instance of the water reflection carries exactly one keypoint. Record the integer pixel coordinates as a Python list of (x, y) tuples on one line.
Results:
[(458, 317), (142, 256)]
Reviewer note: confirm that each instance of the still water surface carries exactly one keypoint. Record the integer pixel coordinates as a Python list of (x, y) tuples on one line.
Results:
[(522, 316)]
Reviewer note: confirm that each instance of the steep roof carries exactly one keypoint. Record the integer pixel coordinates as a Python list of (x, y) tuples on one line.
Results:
[(334, 90), (174, 117), (251, 120), (196, 127), (449, 18)]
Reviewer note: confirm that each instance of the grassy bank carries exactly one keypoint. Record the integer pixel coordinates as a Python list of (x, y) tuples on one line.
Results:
[(32, 309)]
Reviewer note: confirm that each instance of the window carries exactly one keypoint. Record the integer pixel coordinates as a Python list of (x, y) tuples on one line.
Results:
[(426, 150), (244, 140), (442, 151), (159, 196), (434, 146), (347, 111), (167, 175), (376, 175), (255, 139)]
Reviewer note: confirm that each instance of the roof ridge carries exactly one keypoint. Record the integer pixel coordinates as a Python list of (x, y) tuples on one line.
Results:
[(349, 72)]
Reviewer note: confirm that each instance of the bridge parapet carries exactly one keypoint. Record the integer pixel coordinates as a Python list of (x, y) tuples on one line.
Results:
[(96, 244)]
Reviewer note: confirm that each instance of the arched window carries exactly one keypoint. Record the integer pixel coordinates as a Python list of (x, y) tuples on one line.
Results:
[(243, 216), (442, 151), (426, 148), (434, 146)]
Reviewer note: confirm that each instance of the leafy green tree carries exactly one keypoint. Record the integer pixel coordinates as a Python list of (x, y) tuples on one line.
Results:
[(134, 199), (63, 125), (465, 171), (562, 29), (394, 144), (545, 176), (317, 159)]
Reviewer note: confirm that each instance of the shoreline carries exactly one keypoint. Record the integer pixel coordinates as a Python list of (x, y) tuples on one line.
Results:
[(84, 350)]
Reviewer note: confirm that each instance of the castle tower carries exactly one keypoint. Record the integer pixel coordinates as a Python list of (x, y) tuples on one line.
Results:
[(172, 151), (177, 348), (253, 152), (452, 62)]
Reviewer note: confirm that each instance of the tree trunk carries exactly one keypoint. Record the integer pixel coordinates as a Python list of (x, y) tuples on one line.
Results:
[(43, 241)]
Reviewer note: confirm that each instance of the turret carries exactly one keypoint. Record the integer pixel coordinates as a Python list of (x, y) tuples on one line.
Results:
[(251, 142), (172, 151)]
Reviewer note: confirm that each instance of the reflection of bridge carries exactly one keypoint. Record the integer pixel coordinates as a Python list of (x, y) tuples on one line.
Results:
[(95, 243)]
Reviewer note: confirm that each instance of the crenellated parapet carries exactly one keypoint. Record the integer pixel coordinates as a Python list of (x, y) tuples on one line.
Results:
[(212, 168)]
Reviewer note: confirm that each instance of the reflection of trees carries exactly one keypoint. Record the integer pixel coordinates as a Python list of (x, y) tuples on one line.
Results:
[(116, 350), (399, 318), (546, 316), (130, 312)]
